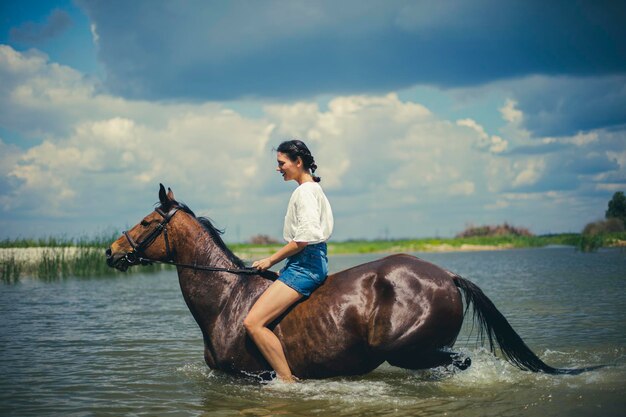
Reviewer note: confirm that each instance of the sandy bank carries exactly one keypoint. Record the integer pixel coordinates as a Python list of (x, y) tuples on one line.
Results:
[(35, 254), (464, 248)]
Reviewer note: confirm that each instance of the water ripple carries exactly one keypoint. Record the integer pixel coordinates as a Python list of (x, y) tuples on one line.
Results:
[(130, 347)]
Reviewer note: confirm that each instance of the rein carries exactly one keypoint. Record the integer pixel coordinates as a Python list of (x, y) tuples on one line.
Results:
[(249, 271), (135, 256)]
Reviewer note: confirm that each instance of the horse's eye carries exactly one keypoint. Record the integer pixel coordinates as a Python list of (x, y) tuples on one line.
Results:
[(144, 223)]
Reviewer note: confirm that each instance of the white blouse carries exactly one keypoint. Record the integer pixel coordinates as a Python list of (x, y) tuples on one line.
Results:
[(309, 217)]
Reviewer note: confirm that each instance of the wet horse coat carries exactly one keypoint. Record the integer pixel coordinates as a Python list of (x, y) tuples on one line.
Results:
[(399, 309)]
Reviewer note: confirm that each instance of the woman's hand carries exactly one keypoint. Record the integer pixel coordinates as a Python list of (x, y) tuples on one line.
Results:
[(262, 264), (286, 251)]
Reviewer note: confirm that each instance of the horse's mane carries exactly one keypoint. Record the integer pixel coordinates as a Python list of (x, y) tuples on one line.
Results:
[(214, 232)]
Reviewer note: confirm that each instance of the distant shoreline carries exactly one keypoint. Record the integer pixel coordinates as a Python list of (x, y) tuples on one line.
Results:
[(478, 243), (87, 259), (335, 250), (33, 254)]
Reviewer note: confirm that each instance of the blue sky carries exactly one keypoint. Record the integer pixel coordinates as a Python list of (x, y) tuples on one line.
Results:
[(424, 117)]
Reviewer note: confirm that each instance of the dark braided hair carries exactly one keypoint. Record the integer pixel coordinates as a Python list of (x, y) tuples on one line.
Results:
[(296, 148)]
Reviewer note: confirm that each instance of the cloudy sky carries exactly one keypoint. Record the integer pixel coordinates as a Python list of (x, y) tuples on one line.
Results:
[(424, 117)]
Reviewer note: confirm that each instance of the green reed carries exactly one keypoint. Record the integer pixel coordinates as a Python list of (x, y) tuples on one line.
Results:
[(63, 262), (50, 265), (591, 242), (10, 270), (101, 240)]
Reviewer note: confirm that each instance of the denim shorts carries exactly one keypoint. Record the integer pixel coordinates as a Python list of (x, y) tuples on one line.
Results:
[(307, 269)]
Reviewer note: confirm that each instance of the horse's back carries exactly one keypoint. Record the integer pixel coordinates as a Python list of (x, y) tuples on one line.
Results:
[(416, 304), (395, 270), (361, 314)]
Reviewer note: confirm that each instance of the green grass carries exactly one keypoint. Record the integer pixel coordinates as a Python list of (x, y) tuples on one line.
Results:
[(429, 244), (88, 259)]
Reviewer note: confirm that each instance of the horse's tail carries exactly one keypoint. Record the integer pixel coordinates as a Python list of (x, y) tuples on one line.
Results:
[(495, 326)]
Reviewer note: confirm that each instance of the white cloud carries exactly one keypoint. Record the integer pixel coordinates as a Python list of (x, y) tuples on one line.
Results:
[(498, 205), (94, 33), (494, 144), (365, 145), (508, 174), (582, 139), (510, 113), (612, 187), (462, 188), (529, 172), (619, 156), (97, 159), (191, 150), (374, 144)]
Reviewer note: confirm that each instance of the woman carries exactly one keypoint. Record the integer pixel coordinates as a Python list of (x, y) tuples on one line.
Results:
[(308, 225)]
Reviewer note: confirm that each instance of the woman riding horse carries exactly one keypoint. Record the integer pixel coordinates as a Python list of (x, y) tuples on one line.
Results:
[(308, 225), (399, 309)]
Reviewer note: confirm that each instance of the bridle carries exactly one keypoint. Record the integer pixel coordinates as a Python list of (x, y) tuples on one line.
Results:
[(137, 255)]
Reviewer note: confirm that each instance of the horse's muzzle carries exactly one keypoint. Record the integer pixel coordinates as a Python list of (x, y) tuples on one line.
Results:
[(117, 261)]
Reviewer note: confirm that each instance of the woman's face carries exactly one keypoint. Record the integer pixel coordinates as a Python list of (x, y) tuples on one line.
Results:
[(289, 169)]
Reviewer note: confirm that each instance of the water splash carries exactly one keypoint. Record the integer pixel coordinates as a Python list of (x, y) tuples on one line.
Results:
[(197, 371)]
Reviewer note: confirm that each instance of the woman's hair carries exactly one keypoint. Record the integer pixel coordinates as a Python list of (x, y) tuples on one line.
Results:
[(296, 148)]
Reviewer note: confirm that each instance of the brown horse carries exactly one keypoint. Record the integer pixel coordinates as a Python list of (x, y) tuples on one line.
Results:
[(398, 309)]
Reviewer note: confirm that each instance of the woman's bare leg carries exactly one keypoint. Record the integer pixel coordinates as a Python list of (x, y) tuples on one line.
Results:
[(272, 303)]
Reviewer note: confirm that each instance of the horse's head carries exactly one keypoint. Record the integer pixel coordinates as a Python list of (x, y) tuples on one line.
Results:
[(148, 239)]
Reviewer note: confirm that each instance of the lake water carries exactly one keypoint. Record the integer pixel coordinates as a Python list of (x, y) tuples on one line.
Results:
[(127, 345)]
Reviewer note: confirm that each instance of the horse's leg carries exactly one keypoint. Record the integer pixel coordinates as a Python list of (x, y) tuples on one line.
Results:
[(428, 359)]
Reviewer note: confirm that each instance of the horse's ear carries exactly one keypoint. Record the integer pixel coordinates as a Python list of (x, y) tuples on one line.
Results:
[(170, 194), (162, 195)]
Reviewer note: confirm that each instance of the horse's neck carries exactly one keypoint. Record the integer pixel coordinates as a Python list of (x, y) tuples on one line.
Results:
[(192, 244), (195, 245)]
